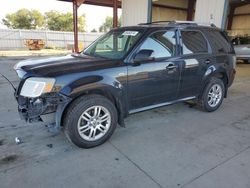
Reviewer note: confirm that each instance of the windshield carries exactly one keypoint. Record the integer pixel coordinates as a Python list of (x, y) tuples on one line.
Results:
[(114, 45)]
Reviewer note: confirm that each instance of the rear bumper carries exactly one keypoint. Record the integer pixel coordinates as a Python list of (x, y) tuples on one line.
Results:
[(231, 77)]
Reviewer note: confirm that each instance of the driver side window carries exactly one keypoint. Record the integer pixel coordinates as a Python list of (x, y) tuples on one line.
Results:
[(162, 43)]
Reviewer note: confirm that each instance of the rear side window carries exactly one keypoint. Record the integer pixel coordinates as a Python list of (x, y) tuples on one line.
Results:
[(193, 42), (219, 42)]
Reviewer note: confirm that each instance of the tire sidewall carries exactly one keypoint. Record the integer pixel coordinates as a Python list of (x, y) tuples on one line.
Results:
[(246, 61), (73, 117), (211, 83)]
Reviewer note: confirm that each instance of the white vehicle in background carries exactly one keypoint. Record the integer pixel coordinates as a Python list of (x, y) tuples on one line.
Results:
[(242, 48)]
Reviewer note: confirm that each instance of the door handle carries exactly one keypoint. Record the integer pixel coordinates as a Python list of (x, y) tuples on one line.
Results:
[(171, 66), (207, 61)]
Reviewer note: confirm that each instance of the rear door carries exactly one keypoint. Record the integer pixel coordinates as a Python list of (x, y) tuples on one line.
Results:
[(196, 57)]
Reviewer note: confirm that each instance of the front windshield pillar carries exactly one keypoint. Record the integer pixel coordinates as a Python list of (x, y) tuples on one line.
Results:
[(115, 42)]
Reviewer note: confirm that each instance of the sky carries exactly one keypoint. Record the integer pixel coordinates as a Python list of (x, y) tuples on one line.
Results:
[(95, 15)]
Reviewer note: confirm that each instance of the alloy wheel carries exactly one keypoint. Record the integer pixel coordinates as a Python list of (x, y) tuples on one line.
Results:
[(94, 123), (214, 95)]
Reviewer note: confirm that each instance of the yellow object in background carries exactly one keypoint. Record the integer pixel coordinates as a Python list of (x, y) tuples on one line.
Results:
[(81, 46), (35, 44)]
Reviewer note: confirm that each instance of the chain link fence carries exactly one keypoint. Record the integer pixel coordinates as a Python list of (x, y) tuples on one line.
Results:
[(14, 39)]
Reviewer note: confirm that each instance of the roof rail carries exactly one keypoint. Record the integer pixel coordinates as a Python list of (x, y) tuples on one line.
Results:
[(177, 22), (155, 22)]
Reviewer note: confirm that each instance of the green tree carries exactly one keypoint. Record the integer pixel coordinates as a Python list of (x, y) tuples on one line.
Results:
[(57, 21), (93, 30), (108, 24), (24, 19)]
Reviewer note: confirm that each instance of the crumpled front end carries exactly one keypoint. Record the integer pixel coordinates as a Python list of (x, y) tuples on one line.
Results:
[(45, 108)]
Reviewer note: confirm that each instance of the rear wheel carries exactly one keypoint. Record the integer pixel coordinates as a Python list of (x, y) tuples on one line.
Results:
[(90, 121), (213, 95)]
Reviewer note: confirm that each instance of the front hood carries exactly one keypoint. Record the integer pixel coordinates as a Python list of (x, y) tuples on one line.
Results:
[(57, 66)]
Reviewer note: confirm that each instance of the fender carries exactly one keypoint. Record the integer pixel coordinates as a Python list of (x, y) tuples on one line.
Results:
[(219, 71), (111, 88)]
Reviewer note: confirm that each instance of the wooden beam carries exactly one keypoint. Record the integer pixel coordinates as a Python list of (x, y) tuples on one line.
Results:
[(230, 17), (190, 11), (115, 13), (105, 3), (170, 7), (242, 14), (80, 2), (240, 3), (75, 25)]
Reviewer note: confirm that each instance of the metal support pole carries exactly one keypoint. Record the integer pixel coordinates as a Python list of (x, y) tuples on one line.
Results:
[(20, 38), (46, 38), (115, 13), (190, 10), (75, 22), (230, 17)]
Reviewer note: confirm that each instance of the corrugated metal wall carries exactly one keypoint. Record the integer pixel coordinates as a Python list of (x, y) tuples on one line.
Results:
[(135, 12), (161, 13), (241, 21), (15, 39), (210, 11)]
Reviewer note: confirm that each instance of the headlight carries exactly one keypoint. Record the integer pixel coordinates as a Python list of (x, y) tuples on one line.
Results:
[(35, 87)]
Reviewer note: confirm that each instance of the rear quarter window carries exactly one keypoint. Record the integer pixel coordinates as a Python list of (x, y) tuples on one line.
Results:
[(219, 42)]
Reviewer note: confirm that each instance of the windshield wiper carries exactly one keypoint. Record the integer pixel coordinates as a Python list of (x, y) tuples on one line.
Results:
[(94, 55)]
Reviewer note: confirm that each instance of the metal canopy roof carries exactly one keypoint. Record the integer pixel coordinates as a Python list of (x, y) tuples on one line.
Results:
[(77, 3), (107, 3)]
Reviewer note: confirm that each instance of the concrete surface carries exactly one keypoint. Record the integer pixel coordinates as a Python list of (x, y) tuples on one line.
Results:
[(174, 146)]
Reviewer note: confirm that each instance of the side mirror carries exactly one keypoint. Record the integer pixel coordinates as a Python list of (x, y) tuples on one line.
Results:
[(144, 55)]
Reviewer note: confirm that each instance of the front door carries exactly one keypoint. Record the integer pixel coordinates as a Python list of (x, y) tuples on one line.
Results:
[(155, 82)]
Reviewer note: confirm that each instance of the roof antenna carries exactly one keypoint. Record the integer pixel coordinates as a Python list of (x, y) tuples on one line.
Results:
[(211, 19), (8, 81)]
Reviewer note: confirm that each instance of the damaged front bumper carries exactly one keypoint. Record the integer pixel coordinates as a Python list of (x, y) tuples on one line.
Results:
[(47, 108)]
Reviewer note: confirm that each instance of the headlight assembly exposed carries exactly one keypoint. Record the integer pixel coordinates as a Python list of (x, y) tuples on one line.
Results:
[(35, 87)]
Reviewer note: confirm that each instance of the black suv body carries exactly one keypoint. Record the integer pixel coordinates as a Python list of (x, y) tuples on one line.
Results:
[(128, 70)]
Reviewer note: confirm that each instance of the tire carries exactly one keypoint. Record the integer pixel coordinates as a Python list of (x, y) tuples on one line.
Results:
[(247, 61), (209, 100), (90, 113)]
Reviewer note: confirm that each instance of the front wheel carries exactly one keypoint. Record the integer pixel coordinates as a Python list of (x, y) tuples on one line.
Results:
[(90, 121), (213, 95)]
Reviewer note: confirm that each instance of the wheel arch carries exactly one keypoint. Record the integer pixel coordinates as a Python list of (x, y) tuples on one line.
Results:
[(221, 74), (105, 92)]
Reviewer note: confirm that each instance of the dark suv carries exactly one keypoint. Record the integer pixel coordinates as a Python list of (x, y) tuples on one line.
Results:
[(128, 70)]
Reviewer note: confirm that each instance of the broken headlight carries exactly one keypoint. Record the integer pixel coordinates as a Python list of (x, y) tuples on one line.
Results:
[(35, 87)]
